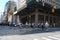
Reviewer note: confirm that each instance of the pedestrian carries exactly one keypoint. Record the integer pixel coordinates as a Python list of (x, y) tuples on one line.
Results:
[(26, 24), (33, 24), (46, 26), (30, 24), (42, 26), (38, 25), (20, 25)]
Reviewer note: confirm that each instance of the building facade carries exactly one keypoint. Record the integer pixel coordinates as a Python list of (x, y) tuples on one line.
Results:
[(10, 8), (1, 17), (38, 11)]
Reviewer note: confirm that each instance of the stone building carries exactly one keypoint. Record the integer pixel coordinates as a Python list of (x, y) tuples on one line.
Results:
[(10, 8), (38, 11)]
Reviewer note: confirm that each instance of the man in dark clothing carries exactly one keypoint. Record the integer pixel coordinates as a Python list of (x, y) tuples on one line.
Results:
[(42, 26)]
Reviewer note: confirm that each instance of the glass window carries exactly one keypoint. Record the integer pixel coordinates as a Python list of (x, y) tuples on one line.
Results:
[(28, 1), (40, 0), (49, 0), (37, 0), (57, 0), (15, 9)]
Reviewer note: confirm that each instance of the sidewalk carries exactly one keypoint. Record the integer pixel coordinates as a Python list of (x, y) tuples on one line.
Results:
[(24, 31)]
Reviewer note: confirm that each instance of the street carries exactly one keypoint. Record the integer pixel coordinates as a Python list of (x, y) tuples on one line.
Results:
[(30, 20), (14, 33)]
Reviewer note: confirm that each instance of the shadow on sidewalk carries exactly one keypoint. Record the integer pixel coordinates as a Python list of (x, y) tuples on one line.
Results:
[(42, 31), (26, 31)]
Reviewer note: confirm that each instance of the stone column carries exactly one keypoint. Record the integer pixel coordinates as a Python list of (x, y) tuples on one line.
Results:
[(44, 18), (15, 19), (18, 21), (29, 18), (52, 21), (49, 19), (56, 21), (36, 17)]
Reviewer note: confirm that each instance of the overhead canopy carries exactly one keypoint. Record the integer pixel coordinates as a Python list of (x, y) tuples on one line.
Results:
[(31, 6)]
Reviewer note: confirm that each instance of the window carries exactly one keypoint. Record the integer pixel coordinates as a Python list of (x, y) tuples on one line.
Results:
[(15, 9), (37, 0), (49, 0), (28, 1), (57, 0), (40, 0)]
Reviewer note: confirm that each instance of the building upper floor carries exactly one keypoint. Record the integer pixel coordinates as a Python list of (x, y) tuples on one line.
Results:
[(10, 6), (23, 3)]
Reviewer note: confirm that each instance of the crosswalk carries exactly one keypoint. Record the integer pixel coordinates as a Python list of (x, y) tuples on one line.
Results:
[(15, 34), (49, 38)]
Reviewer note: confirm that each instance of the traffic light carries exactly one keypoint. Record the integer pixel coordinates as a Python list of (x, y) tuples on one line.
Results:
[(53, 10)]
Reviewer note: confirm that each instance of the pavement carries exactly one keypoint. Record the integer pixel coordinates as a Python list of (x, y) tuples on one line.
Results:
[(15, 33), (38, 36)]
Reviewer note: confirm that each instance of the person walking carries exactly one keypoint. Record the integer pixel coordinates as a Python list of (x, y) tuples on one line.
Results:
[(42, 26), (46, 26), (26, 24)]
